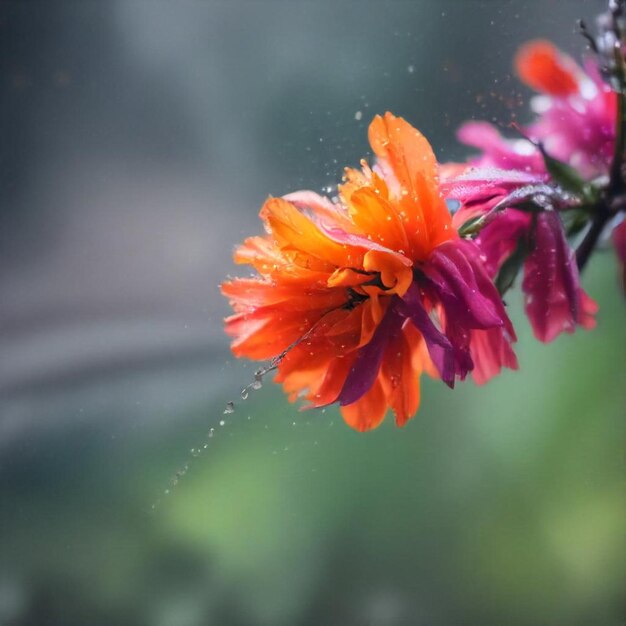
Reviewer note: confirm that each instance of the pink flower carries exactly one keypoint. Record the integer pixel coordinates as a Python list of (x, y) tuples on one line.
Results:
[(498, 152), (482, 189), (575, 117), (575, 124), (578, 109), (554, 300)]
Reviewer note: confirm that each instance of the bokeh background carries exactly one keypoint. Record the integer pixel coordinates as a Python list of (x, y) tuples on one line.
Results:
[(139, 139)]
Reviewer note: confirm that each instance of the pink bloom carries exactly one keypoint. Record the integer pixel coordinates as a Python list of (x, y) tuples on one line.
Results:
[(578, 109), (481, 189), (499, 152), (498, 240), (575, 121), (555, 301)]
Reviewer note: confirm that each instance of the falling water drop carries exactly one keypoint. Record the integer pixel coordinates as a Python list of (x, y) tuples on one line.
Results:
[(255, 385)]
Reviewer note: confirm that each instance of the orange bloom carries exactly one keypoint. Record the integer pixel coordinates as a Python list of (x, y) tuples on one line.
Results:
[(337, 304)]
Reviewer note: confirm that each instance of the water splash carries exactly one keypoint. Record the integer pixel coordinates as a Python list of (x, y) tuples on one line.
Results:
[(229, 409)]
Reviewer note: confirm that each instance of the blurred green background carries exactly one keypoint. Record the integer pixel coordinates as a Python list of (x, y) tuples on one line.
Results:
[(139, 139)]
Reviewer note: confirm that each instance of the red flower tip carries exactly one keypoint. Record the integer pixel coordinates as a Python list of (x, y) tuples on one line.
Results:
[(546, 69)]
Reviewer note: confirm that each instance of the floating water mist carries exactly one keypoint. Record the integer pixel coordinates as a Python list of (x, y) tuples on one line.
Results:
[(229, 409)]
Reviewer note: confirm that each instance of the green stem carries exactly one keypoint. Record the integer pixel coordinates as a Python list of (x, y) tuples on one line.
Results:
[(601, 216), (605, 209), (616, 183)]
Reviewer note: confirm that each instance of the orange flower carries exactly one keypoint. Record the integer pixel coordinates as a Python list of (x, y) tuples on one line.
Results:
[(341, 304)]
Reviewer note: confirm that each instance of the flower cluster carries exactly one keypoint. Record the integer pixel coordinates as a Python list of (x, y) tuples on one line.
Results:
[(355, 296)]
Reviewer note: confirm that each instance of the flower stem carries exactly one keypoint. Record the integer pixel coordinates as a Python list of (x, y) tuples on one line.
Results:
[(610, 204), (601, 216)]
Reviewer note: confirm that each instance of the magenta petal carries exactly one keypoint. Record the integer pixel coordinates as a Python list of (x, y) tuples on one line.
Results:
[(461, 283), (555, 302), (440, 348), (485, 182), (341, 236), (498, 239), (507, 154), (369, 358), (306, 199)]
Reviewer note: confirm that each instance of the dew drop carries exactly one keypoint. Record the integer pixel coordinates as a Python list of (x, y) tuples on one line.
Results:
[(230, 408), (358, 116)]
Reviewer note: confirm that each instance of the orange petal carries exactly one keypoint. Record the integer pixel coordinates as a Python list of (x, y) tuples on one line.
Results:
[(294, 232), (331, 215), (304, 368), (546, 69), (420, 358), (346, 277), (400, 378), (413, 163), (372, 312), (254, 293), (354, 179), (266, 332), (369, 411), (373, 213), (268, 260), (333, 382), (394, 273)]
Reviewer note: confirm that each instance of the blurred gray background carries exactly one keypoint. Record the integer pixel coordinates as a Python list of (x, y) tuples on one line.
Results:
[(139, 139)]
